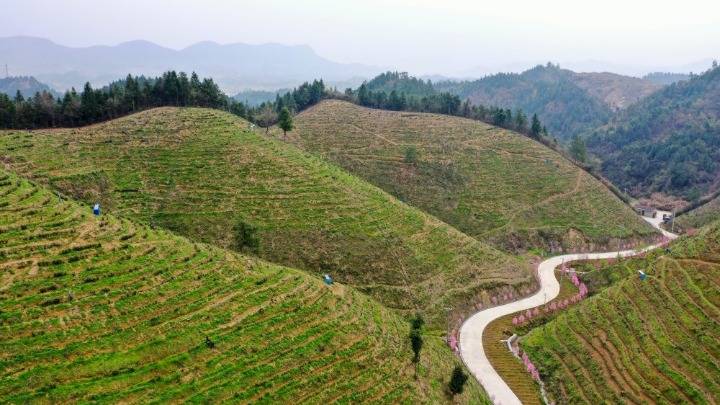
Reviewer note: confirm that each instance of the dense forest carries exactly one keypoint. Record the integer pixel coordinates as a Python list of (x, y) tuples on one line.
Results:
[(668, 142)]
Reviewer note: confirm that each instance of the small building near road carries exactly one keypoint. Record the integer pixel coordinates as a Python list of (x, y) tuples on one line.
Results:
[(646, 211)]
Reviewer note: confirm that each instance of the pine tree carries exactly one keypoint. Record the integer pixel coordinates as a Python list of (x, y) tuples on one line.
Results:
[(7, 112), (535, 127), (285, 121), (578, 149), (520, 121), (88, 104), (363, 95), (499, 117)]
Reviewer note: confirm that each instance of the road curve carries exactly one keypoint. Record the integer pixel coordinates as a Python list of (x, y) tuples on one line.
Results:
[(471, 331)]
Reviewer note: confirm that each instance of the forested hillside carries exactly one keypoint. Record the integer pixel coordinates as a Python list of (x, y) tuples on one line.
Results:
[(668, 142), (700, 216), (203, 174), (568, 103), (100, 309), (564, 107), (615, 90), (493, 184)]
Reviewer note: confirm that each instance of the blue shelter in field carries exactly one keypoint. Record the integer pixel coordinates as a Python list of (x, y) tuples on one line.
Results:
[(327, 279), (96, 209), (642, 275)]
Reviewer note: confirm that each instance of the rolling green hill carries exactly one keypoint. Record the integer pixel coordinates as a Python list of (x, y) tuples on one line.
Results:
[(99, 309), (668, 142), (651, 341), (203, 174), (490, 183)]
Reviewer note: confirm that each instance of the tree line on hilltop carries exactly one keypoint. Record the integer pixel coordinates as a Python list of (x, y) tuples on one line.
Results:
[(137, 93), (133, 94)]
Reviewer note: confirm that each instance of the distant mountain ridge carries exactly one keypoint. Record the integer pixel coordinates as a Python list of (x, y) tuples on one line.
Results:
[(27, 85), (234, 66)]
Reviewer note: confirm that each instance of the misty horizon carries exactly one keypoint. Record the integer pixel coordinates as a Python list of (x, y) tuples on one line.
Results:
[(471, 72), (455, 39)]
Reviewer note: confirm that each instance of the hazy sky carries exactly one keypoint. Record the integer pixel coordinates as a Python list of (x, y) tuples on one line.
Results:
[(421, 36)]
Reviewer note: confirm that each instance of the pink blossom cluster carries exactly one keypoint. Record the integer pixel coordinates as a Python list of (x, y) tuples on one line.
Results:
[(528, 315), (502, 297), (575, 280), (530, 367), (453, 343)]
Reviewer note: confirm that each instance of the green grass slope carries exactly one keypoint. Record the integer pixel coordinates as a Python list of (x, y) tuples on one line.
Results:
[(700, 216), (490, 183), (100, 309), (652, 341), (202, 174)]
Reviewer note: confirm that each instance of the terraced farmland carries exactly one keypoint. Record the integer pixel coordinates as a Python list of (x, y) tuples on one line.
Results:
[(651, 341), (100, 309), (701, 216), (203, 174), (488, 182)]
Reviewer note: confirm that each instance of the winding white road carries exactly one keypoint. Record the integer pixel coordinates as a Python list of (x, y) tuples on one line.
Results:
[(471, 348)]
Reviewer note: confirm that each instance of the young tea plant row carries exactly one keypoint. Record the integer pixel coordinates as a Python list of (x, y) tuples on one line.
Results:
[(640, 340), (203, 174), (99, 309), (488, 182)]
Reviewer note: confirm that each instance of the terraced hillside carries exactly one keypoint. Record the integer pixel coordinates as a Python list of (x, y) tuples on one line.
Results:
[(490, 183), (100, 309), (201, 173), (701, 216), (651, 341)]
